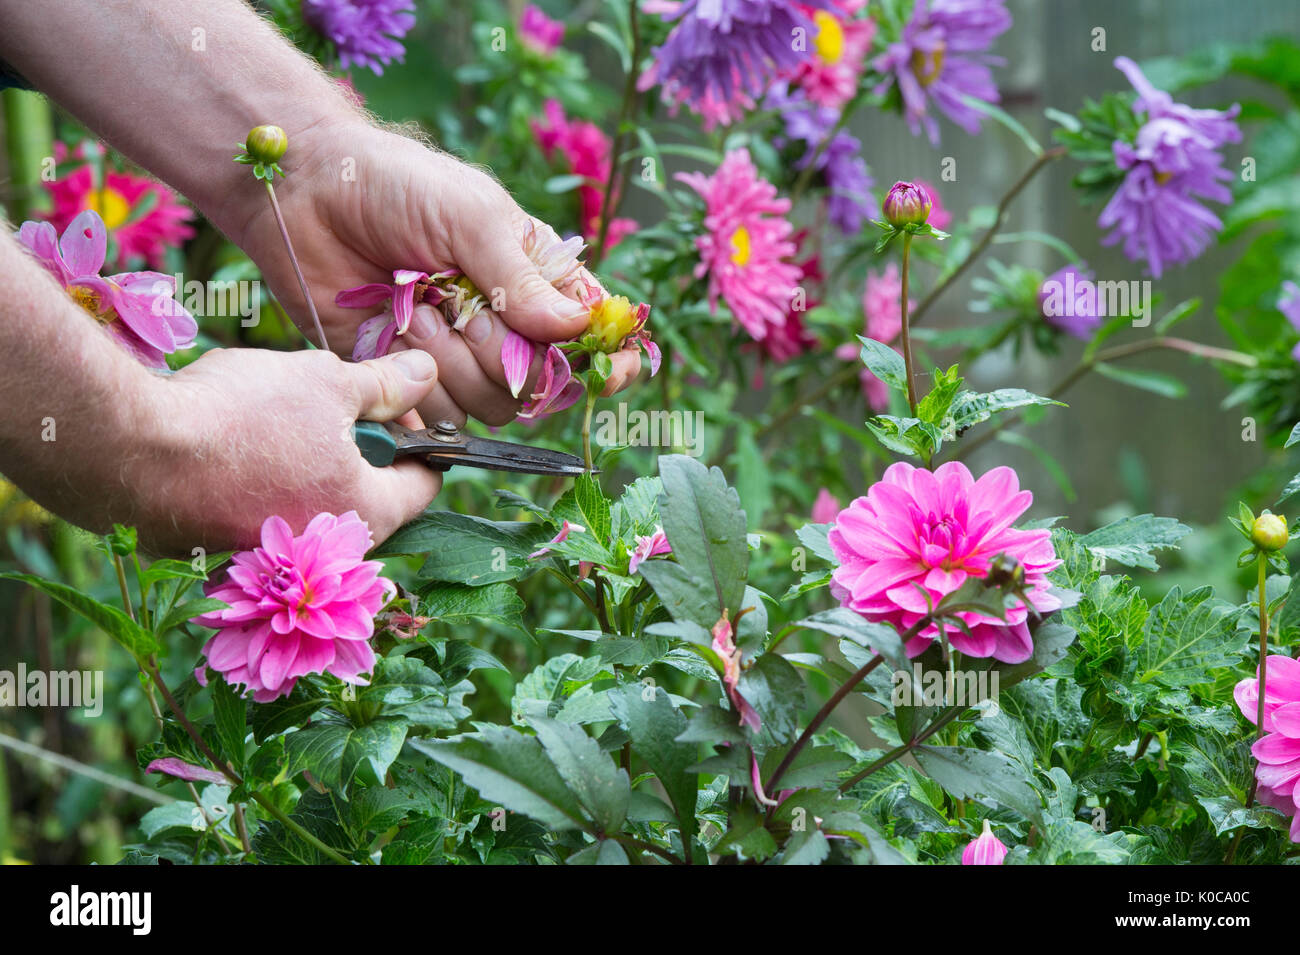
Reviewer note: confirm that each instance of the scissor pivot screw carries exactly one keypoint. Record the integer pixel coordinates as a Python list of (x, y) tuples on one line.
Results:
[(446, 430)]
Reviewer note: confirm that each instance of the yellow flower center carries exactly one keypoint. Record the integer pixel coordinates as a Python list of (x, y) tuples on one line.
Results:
[(927, 66), (740, 246), (1162, 178), (111, 206), (89, 300), (829, 41), (612, 320)]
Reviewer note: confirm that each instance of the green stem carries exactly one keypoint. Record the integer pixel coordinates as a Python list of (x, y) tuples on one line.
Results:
[(586, 426), (30, 137), (297, 269), (610, 201), (948, 716), (905, 332)]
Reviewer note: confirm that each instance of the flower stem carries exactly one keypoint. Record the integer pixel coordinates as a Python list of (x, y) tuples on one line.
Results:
[(297, 269), (948, 716), (1263, 647), (586, 427), (905, 332)]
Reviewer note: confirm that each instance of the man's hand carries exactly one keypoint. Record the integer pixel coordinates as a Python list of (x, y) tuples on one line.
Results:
[(361, 202), (249, 433)]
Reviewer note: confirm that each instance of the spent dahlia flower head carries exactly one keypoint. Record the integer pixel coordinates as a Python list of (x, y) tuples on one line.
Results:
[(366, 33), (1068, 300), (137, 308), (747, 244), (724, 53), (1173, 162), (918, 535), (941, 57), (986, 849), (143, 217), (409, 288), (724, 645), (297, 605), (647, 546), (1278, 750)]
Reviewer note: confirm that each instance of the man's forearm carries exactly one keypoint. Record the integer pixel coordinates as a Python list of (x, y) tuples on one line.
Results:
[(71, 396), (174, 84)]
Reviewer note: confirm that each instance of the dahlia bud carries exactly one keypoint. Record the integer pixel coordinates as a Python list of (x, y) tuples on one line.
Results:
[(266, 143), (1269, 532), (906, 204), (1006, 571), (613, 319), (988, 849)]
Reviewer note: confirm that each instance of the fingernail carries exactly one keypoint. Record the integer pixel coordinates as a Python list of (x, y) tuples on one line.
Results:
[(479, 328), (417, 365), (571, 312), (424, 322)]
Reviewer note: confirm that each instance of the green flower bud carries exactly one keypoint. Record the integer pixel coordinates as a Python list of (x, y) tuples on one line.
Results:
[(1269, 532), (266, 143)]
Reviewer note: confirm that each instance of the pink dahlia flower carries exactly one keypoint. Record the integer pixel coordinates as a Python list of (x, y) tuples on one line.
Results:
[(136, 307), (747, 245), (917, 536), (840, 46), (1278, 750), (143, 218), (826, 508), (409, 288), (987, 849), (650, 545), (882, 308), (539, 32), (298, 605)]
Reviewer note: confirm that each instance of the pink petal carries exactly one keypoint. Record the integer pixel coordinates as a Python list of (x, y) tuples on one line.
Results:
[(516, 358)]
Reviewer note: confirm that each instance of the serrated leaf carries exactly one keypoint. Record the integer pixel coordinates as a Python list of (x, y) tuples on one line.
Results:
[(970, 407), (967, 773), (603, 789), (1189, 638), (464, 549), (654, 726), (1131, 541), (138, 641), (884, 362), (334, 753), (461, 603)]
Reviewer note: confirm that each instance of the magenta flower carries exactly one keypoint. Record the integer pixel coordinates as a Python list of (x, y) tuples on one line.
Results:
[(364, 32), (297, 605), (565, 530), (408, 289), (723, 51), (556, 388), (942, 57), (841, 43), (136, 307), (585, 149), (725, 647), (825, 508), (1068, 300), (540, 32), (940, 218), (178, 768), (1278, 750), (1173, 162), (906, 203), (882, 307), (647, 546), (917, 536), (1289, 305), (747, 244), (987, 849)]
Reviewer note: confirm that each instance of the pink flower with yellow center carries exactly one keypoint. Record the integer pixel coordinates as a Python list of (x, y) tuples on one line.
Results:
[(840, 44), (747, 244), (297, 605), (919, 535), (137, 308), (143, 218)]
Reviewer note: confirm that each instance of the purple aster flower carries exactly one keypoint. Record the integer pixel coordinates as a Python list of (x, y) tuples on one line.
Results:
[(840, 162), (1068, 300), (722, 52), (1289, 305), (1173, 161), (365, 32), (941, 57)]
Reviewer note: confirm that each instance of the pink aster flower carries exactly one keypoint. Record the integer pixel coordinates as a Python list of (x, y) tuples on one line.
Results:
[(825, 508), (297, 605), (919, 535), (841, 43), (987, 849), (1172, 164), (585, 150), (539, 32), (882, 307), (725, 647), (747, 244), (143, 218), (647, 546), (941, 57), (137, 308), (1278, 750)]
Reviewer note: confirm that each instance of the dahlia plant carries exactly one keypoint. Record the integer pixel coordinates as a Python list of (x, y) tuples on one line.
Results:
[(692, 652)]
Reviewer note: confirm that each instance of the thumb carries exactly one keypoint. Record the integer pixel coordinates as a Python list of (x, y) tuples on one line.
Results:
[(390, 386), (516, 290)]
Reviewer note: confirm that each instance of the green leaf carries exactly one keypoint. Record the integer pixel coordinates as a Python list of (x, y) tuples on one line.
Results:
[(464, 549), (654, 726), (539, 693), (1156, 382), (463, 604), (603, 789), (512, 769), (187, 611), (406, 688), (335, 753), (884, 362), (1001, 116), (1131, 541), (585, 504), (967, 773), (880, 637), (230, 713), (934, 407), (139, 642), (970, 408), (1288, 492), (1189, 638), (774, 688), (1293, 437)]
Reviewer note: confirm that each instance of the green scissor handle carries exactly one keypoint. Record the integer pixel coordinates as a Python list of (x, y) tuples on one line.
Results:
[(377, 445)]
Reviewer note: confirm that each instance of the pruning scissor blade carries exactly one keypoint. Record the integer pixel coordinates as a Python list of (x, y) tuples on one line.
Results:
[(445, 445)]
